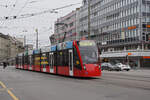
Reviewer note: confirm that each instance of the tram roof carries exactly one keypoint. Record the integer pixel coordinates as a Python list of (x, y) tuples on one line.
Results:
[(36, 51), (65, 45), (45, 49), (20, 54), (53, 48), (30, 52)]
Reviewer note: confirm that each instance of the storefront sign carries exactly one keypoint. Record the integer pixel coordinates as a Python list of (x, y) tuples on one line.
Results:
[(148, 26), (131, 27)]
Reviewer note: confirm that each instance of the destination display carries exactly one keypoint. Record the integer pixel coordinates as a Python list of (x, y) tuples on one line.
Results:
[(87, 43)]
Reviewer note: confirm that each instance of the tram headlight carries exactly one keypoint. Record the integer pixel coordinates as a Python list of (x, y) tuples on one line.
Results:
[(99, 67), (77, 62), (84, 67)]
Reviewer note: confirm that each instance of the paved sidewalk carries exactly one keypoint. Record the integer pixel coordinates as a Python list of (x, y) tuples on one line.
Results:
[(139, 72)]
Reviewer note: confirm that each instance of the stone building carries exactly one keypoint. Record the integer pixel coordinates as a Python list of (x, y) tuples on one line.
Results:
[(65, 28), (117, 24), (4, 47), (120, 28), (9, 47)]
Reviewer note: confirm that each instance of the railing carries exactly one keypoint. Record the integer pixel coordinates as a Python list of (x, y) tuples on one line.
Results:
[(124, 51)]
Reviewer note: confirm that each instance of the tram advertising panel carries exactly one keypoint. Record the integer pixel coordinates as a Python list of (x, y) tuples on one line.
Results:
[(37, 63), (37, 60), (44, 62)]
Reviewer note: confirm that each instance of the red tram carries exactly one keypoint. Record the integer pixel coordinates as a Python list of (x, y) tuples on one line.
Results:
[(71, 58)]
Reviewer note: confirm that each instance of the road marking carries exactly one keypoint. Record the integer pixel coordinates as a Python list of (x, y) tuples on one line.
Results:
[(8, 91), (4, 89), (2, 84)]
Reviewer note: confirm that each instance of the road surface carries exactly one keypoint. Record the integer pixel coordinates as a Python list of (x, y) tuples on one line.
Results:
[(18, 84)]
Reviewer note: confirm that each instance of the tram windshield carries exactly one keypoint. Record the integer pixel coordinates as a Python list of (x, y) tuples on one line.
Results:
[(88, 51)]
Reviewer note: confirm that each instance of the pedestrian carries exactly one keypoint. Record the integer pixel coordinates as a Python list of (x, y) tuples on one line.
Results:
[(4, 65)]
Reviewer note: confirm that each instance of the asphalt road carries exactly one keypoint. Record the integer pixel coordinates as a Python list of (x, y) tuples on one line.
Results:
[(27, 85)]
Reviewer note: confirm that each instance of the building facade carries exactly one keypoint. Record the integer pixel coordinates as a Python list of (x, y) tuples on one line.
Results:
[(117, 26), (65, 28), (4, 47), (9, 48)]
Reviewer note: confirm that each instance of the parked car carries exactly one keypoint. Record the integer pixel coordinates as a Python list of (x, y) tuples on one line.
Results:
[(123, 66), (110, 67)]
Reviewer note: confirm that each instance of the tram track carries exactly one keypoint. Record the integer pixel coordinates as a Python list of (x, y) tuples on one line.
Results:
[(123, 82), (112, 80), (116, 79), (129, 77), (125, 74)]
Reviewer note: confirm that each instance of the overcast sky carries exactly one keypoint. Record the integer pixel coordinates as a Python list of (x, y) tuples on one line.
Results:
[(44, 23)]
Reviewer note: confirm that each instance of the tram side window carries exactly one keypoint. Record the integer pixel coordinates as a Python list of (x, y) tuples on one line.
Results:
[(44, 59), (63, 58), (55, 59), (76, 59), (59, 58), (30, 60), (16, 60), (26, 60), (37, 60), (49, 60), (47, 55), (20, 61), (66, 58), (33, 60)]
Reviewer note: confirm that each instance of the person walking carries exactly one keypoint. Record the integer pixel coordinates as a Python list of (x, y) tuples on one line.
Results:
[(4, 65)]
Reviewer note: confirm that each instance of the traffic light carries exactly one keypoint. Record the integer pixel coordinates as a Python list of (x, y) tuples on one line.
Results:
[(143, 36), (14, 17), (144, 25), (6, 17), (147, 37)]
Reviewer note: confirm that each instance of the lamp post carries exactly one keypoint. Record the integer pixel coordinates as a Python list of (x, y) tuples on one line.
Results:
[(24, 37), (37, 40), (89, 18), (140, 24)]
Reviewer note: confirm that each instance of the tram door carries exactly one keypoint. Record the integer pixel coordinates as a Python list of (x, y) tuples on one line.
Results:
[(30, 64), (51, 62), (44, 62), (71, 62), (20, 62)]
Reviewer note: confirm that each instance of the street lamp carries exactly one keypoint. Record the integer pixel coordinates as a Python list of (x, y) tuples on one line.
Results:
[(89, 18), (66, 26)]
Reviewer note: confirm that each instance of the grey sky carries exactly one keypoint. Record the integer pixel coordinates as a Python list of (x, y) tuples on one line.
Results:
[(27, 26)]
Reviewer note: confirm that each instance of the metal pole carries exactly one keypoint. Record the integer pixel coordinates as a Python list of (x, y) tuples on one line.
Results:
[(140, 24), (37, 39), (58, 35), (89, 16), (66, 26), (24, 40), (146, 22)]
